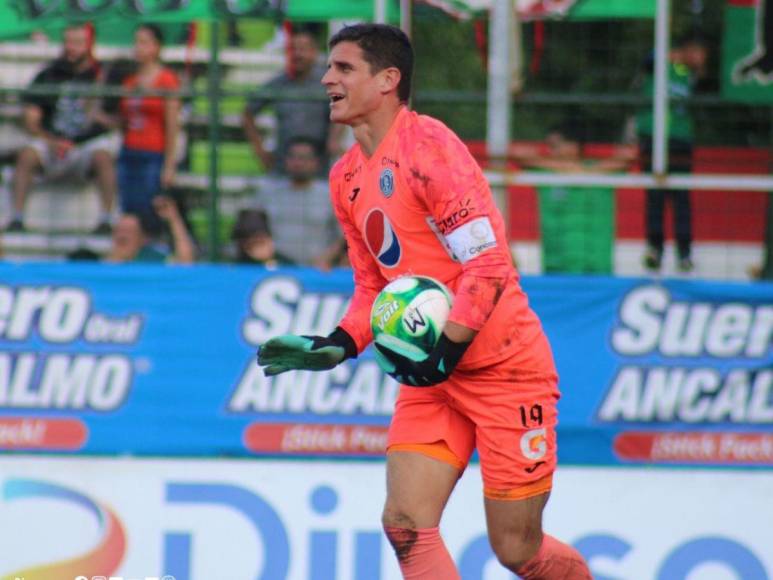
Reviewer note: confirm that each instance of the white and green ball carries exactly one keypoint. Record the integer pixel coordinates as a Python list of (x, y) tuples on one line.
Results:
[(410, 312)]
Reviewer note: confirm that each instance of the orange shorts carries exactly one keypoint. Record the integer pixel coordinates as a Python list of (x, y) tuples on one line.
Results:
[(511, 421)]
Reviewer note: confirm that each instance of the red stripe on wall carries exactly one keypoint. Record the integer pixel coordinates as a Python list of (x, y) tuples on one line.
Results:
[(730, 216)]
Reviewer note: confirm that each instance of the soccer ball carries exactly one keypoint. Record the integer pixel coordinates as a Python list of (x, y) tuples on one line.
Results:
[(410, 313)]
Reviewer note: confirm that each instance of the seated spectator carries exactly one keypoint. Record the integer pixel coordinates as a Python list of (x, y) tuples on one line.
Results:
[(565, 153), (254, 243), (298, 204), (134, 236), (69, 137), (147, 162), (576, 223), (295, 116)]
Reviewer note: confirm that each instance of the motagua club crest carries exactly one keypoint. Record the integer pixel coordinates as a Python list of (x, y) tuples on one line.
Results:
[(386, 182)]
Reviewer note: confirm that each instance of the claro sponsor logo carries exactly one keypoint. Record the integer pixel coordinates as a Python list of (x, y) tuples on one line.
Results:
[(472, 239), (39, 327), (691, 362), (280, 305)]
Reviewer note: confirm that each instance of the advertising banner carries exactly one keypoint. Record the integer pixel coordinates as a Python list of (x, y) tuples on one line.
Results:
[(160, 360), (19, 17), (130, 519), (747, 51), (545, 9)]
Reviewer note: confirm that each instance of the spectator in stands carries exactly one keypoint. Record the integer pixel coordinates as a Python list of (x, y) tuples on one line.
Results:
[(69, 138), (135, 236), (306, 229), (296, 117), (564, 154), (254, 242), (148, 160), (576, 223), (687, 63)]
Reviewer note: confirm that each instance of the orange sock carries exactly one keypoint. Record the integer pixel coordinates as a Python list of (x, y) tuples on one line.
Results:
[(422, 554), (555, 561)]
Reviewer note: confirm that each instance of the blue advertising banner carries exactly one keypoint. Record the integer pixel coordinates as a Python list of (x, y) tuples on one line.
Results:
[(159, 360), (669, 371)]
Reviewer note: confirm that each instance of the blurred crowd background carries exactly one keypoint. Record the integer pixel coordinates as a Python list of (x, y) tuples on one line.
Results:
[(181, 141)]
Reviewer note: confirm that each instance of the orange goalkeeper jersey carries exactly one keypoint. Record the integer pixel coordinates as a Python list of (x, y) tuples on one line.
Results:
[(421, 205)]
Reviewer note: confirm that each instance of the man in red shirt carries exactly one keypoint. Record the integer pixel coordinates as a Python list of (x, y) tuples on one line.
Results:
[(411, 200)]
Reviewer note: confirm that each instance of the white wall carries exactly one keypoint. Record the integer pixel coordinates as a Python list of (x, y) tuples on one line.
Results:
[(642, 523)]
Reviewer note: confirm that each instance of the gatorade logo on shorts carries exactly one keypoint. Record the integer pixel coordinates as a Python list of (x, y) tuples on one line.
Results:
[(381, 238), (534, 444)]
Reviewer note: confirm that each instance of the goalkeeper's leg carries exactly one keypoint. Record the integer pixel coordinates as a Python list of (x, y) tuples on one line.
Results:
[(418, 488), (515, 531), (516, 440)]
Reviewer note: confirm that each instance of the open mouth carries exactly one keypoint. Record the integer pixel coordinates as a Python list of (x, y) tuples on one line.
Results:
[(335, 98)]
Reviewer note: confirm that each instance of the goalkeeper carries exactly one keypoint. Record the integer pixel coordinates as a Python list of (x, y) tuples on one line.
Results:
[(412, 200)]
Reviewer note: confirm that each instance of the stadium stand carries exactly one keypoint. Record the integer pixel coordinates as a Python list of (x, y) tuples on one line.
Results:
[(729, 226), (59, 214)]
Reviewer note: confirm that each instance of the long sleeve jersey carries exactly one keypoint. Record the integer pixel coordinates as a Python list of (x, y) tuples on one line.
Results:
[(420, 205)]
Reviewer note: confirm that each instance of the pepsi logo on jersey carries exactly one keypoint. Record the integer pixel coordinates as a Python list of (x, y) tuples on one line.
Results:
[(381, 238)]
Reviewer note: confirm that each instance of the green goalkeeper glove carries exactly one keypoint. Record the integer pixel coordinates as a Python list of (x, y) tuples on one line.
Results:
[(427, 371), (313, 353)]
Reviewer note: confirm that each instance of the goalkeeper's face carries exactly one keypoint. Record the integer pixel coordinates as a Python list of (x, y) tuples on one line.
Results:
[(355, 91)]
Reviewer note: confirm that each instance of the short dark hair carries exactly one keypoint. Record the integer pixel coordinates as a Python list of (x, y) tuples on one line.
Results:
[(309, 29), (250, 222), (383, 46), (571, 130)]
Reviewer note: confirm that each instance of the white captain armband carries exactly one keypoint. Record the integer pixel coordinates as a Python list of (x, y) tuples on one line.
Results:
[(472, 239)]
